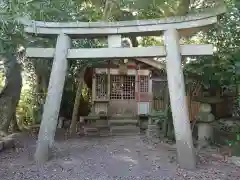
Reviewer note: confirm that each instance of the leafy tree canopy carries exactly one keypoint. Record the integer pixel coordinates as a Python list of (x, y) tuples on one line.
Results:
[(219, 69)]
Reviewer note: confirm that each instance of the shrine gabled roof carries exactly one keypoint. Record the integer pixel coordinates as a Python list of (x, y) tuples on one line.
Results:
[(152, 62)]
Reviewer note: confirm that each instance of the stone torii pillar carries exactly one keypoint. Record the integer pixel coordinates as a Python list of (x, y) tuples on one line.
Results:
[(53, 99), (185, 150)]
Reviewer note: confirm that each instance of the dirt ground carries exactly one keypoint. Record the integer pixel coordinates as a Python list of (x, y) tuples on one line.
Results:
[(108, 158)]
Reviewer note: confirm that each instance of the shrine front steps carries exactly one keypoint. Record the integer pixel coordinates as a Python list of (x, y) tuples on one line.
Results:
[(115, 127), (122, 122), (96, 131), (126, 130), (121, 127), (113, 131)]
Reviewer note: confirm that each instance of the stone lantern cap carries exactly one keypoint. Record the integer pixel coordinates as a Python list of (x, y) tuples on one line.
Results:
[(205, 115)]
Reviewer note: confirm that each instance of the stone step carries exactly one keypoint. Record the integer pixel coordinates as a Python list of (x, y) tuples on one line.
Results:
[(115, 128), (91, 131), (96, 131), (122, 117), (124, 130), (120, 122), (104, 131)]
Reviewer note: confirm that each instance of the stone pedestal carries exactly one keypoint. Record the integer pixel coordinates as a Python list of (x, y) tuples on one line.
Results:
[(205, 130), (103, 127), (153, 131), (143, 124)]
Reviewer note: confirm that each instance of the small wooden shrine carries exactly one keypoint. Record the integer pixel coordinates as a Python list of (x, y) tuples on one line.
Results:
[(122, 88)]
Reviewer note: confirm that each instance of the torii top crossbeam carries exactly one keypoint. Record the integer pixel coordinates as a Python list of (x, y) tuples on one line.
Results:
[(184, 24), (138, 27)]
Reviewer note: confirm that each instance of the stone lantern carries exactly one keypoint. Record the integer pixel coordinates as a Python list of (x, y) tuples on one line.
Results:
[(205, 129)]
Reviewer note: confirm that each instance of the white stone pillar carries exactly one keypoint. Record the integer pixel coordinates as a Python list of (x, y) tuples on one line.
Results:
[(114, 41), (53, 99), (183, 134)]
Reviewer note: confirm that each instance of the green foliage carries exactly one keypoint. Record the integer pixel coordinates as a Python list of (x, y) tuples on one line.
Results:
[(25, 109), (85, 93), (233, 128), (219, 70), (1, 80), (10, 32), (227, 135), (150, 41)]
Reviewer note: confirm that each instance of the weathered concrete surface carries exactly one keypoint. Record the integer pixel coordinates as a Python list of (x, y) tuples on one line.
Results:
[(112, 158), (53, 99), (176, 85)]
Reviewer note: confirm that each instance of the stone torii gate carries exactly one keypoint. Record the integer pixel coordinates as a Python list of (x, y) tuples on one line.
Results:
[(172, 28)]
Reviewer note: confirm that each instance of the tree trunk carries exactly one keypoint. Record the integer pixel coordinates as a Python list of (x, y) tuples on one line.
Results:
[(14, 124), (77, 104), (134, 41), (10, 94)]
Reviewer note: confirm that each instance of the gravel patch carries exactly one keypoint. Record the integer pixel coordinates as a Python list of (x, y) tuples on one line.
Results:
[(108, 158)]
